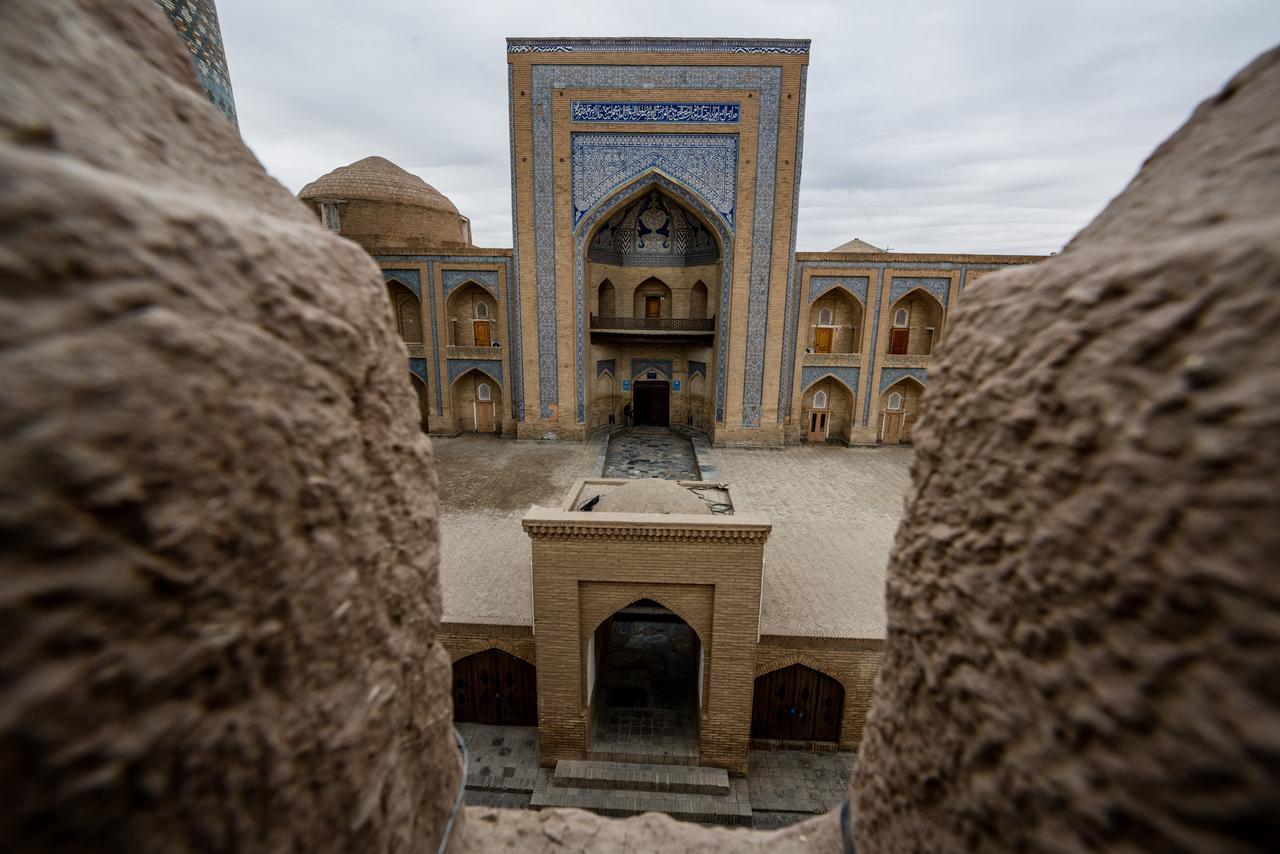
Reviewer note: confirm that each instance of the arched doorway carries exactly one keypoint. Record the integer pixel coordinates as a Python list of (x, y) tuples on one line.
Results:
[(408, 312), (915, 324), (473, 317), (651, 400), (477, 402), (495, 687), (797, 703), (644, 677), (826, 411), (899, 410), (835, 320)]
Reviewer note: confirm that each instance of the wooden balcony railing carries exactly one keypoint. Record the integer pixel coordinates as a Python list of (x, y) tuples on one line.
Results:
[(655, 324)]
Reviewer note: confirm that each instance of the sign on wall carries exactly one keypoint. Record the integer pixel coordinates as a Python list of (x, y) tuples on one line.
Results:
[(626, 385), (675, 386)]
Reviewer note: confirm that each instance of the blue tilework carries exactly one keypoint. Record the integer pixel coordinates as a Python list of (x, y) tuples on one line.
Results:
[(546, 81), (490, 367), (706, 163), (419, 367), (656, 179), (791, 308), (796, 47), (606, 366), (873, 317), (857, 285), (408, 278), (649, 112), (639, 366), (889, 376), (488, 279), (697, 368), (810, 374), (902, 285)]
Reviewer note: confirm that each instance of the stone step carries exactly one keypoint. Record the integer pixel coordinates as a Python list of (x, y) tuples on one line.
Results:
[(638, 776), (732, 808)]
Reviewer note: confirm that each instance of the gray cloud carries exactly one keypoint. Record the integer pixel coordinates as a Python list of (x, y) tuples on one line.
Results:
[(992, 126)]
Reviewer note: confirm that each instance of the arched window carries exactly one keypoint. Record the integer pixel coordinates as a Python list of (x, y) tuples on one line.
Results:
[(901, 318), (895, 402), (483, 393), (825, 317), (482, 310), (820, 400)]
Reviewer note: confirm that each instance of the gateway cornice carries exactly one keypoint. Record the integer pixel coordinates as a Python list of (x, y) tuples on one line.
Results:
[(548, 523), (795, 47)]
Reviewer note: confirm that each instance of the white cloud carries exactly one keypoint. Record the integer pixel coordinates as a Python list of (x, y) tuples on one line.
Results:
[(973, 125)]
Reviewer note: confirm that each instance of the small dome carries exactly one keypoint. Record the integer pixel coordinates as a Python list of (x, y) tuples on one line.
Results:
[(376, 179), (857, 245), (651, 495)]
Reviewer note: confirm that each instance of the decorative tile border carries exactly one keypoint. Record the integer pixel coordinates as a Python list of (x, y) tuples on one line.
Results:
[(903, 285), (419, 368), (874, 320), (513, 271), (793, 47), (650, 112), (889, 376), (856, 285), (812, 374), (408, 278), (639, 366), (488, 279), (491, 368), (706, 163), (656, 179), (606, 366), (546, 79), (791, 307)]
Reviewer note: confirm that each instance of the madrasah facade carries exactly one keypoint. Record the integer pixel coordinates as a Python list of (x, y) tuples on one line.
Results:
[(653, 278)]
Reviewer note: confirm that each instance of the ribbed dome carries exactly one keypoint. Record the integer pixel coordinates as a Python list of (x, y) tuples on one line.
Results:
[(376, 179)]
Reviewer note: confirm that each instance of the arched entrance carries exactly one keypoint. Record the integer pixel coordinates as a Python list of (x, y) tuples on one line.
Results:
[(797, 703), (477, 402), (899, 410), (651, 401), (644, 677), (495, 687)]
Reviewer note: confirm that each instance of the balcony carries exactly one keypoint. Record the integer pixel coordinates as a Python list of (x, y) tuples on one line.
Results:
[(900, 361), (416, 349), (652, 328), (833, 360), (482, 353)]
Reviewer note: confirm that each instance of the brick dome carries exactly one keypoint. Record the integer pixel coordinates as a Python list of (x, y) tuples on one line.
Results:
[(382, 205)]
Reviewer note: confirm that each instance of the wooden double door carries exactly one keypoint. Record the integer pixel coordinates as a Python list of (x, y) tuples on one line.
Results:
[(494, 687), (653, 404), (797, 703)]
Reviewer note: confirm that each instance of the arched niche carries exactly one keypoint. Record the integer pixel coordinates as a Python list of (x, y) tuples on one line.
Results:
[(899, 410), (476, 400), (835, 322), (915, 324), (408, 311), (472, 314)]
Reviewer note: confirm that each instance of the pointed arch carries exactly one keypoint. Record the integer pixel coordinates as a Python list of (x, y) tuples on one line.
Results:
[(407, 309), (629, 191), (829, 376)]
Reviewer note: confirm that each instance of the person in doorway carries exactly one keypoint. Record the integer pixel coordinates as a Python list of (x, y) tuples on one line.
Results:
[(626, 415)]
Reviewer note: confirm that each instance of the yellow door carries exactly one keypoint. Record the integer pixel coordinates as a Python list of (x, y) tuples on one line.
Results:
[(484, 416), (891, 433), (818, 425), (653, 306), (482, 333), (822, 339)]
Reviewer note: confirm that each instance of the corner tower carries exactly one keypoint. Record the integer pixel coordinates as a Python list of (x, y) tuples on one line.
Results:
[(654, 192)]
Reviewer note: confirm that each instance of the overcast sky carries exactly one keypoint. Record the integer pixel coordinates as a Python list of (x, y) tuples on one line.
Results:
[(994, 126)]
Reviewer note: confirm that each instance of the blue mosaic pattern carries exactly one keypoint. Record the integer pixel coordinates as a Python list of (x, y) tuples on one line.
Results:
[(630, 111), (726, 267), (513, 271), (639, 366), (856, 285), (408, 278), (796, 47), (419, 367), (488, 279), (706, 163), (902, 285), (810, 374), (606, 366), (546, 80), (874, 320), (889, 376), (696, 368), (791, 308), (489, 367)]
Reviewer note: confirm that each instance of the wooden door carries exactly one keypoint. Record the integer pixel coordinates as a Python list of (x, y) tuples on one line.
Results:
[(822, 339), (891, 432), (494, 687), (482, 333), (898, 341), (653, 306), (484, 416), (818, 425), (652, 404), (797, 704)]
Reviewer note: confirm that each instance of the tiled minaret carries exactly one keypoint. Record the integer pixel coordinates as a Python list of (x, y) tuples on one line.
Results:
[(196, 21)]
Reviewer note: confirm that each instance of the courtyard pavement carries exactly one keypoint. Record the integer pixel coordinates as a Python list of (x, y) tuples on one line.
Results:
[(785, 786), (650, 452), (835, 511)]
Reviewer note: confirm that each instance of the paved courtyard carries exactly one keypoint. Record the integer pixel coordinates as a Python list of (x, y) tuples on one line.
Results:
[(650, 452), (785, 786), (834, 510)]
